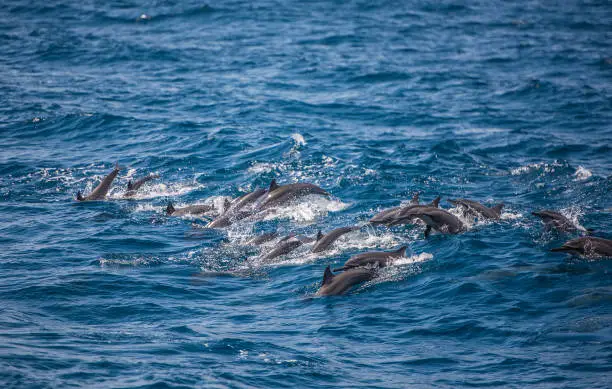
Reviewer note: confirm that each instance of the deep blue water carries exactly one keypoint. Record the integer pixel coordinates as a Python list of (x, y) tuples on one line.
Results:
[(373, 102)]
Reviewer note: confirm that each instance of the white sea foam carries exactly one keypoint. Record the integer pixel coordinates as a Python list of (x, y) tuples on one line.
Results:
[(299, 139), (309, 209), (582, 174), (544, 167)]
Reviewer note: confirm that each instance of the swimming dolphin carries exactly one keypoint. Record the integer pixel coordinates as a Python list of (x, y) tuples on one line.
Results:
[(99, 193), (588, 246), (237, 209), (479, 209), (133, 187), (555, 220), (390, 214), (281, 194), (324, 241), (286, 245), (407, 214), (188, 210), (261, 239), (439, 220), (335, 284), (227, 218), (246, 199), (373, 259)]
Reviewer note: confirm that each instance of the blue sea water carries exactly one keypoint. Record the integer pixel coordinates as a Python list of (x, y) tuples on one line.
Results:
[(373, 101)]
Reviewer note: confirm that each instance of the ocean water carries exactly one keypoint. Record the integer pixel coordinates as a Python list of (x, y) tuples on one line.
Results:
[(373, 101)]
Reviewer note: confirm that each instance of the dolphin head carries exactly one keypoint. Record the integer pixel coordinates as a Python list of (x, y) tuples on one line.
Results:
[(574, 246)]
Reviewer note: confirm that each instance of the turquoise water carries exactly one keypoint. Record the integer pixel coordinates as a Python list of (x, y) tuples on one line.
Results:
[(490, 101)]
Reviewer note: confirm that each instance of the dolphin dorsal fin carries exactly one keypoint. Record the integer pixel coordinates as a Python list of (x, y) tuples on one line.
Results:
[(273, 186), (79, 196), (402, 251), (170, 209), (436, 202), (498, 207), (415, 199), (328, 276), (130, 185), (226, 204), (319, 235)]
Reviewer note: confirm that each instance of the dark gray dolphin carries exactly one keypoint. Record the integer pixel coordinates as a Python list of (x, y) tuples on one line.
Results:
[(228, 218), (188, 210), (235, 210), (373, 259), (100, 192), (285, 246), (388, 215), (440, 220), (407, 214), (281, 194), (324, 241), (555, 220), (479, 209), (261, 239), (336, 284), (588, 246), (132, 187), (247, 199)]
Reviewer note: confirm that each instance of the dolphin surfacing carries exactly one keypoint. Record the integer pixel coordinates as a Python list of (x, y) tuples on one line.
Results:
[(555, 220), (134, 186), (337, 284), (373, 259), (281, 194), (587, 246), (323, 242), (439, 220), (474, 207), (100, 192), (188, 210), (388, 215)]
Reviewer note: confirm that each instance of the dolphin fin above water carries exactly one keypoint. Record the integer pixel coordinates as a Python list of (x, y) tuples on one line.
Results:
[(328, 276), (273, 186), (320, 235)]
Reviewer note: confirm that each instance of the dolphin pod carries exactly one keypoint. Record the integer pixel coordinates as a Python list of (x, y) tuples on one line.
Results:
[(364, 266)]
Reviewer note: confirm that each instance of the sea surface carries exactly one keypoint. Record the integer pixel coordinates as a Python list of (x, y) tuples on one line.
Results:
[(494, 101)]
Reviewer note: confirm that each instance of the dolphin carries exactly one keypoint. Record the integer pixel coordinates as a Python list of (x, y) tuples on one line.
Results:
[(133, 187), (588, 246), (282, 194), (324, 241), (261, 239), (475, 207), (373, 259), (188, 210), (335, 284), (286, 245), (407, 214), (247, 199), (388, 215), (439, 220), (555, 220), (228, 218), (99, 193), (235, 211)]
